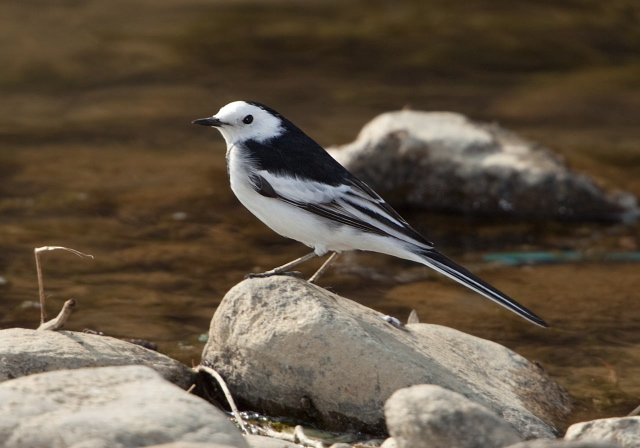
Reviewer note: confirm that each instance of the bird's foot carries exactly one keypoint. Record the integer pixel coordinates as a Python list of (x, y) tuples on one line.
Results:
[(271, 274)]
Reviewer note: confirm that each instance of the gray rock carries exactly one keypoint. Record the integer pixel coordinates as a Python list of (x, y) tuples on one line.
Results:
[(428, 416), (444, 161), (624, 431), (25, 352), (287, 347), (541, 443), (118, 407)]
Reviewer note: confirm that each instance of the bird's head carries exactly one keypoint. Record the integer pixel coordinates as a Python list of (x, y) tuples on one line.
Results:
[(245, 120)]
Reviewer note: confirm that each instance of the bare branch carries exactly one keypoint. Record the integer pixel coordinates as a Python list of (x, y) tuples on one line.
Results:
[(68, 249), (227, 394), (299, 434), (58, 322), (268, 432), (37, 251)]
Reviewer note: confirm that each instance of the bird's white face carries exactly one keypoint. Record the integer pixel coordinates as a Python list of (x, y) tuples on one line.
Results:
[(241, 121)]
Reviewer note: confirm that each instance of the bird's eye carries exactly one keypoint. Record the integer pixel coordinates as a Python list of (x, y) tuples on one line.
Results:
[(248, 119)]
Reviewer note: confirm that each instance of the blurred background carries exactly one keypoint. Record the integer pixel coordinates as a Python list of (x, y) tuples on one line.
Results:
[(98, 154)]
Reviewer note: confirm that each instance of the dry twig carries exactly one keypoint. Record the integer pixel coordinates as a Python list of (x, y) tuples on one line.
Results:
[(38, 251), (268, 432), (227, 394), (300, 436), (58, 322)]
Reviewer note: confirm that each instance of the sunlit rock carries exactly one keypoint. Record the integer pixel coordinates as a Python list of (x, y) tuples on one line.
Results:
[(25, 352), (444, 161), (127, 406), (290, 348), (624, 431), (428, 416)]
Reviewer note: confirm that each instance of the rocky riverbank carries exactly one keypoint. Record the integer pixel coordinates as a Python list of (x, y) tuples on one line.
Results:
[(287, 348)]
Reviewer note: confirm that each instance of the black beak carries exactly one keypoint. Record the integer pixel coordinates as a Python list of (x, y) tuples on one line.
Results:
[(211, 121)]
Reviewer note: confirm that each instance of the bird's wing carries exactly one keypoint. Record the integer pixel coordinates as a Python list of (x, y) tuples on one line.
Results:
[(351, 203)]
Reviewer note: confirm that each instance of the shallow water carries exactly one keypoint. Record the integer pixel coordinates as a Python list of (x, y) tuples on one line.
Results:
[(98, 155), (168, 246)]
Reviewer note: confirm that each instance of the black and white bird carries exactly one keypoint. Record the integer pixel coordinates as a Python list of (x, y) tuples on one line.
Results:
[(296, 188)]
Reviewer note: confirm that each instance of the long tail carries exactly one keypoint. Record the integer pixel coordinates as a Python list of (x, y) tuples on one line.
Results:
[(444, 265)]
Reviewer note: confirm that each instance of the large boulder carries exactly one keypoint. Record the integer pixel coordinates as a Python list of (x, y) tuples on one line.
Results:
[(625, 431), (287, 347), (117, 407), (25, 352), (444, 161), (428, 416)]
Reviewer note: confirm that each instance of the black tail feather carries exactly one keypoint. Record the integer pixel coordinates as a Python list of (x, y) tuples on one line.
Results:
[(448, 267)]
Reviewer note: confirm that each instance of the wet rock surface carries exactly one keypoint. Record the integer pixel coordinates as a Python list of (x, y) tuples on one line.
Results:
[(287, 347), (444, 161)]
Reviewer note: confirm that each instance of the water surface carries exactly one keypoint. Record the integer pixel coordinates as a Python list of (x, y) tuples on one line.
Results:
[(98, 154)]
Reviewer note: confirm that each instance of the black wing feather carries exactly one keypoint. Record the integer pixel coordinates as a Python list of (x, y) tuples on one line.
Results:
[(329, 210)]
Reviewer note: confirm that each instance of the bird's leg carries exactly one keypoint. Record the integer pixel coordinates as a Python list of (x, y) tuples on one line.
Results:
[(324, 267), (281, 270)]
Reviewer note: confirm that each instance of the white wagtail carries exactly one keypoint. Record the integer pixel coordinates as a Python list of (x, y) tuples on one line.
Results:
[(295, 187)]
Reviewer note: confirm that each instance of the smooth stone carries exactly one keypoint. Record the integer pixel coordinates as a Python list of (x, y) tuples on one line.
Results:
[(445, 161), (25, 352), (625, 431), (429, 416), (118, 407)]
